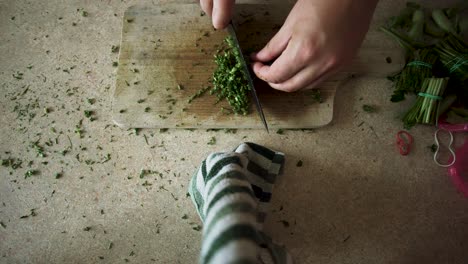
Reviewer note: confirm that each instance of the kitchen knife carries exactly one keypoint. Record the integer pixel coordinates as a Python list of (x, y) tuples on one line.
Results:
[(232, 33)]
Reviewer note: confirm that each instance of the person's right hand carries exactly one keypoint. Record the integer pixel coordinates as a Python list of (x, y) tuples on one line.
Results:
[(220, 11)]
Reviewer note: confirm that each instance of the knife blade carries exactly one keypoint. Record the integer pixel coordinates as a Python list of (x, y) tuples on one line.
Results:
[(232, 32)]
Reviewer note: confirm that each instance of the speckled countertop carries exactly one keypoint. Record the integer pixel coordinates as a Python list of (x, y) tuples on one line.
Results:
[(354, 200)]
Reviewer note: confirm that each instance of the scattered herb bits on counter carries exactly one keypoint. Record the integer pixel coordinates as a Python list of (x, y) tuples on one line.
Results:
[(369, 108), (299, 163), (212, 141), (115, 48), (316, 95)]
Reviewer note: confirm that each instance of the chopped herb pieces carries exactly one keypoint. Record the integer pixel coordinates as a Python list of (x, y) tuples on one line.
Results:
[(146, 184), (199, 93), (212, 141), (107, 158), (88, 228), (79, 131), (13, 163), (230, 80), (432, 148), (171, 101), (88, 113), (141, 101), (299, 163), (369, 108), (197, 228), (316, 95), (32, 213), (39, 150), (147, 109), (18, 75), (30, 173), (115, 64), (280, 131), (115, 49)]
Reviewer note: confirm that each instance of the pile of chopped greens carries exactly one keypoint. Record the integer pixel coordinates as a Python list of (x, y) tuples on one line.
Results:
[(229, 79), (436, 60)]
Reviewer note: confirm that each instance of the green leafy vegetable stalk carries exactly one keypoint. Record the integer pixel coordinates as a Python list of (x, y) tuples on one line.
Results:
[(413, 74), (425, 110), (453, 54), (229, 80)]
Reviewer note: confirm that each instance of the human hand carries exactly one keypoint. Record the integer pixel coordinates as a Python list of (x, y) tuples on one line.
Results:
[(316, 39), (220, 11)]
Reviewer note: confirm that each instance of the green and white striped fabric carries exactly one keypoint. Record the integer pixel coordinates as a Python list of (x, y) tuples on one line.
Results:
[(231, 192)]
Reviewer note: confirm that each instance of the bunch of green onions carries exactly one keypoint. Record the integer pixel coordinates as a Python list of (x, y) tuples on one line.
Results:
[(425, 110), (453, 54), (413, 74), (435, 52)]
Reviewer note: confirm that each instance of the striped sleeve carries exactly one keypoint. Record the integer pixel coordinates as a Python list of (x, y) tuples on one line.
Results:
[(231, 192)]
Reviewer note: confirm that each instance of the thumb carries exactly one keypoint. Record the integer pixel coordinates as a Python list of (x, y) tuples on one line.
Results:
[(222, 13), (274, 47)]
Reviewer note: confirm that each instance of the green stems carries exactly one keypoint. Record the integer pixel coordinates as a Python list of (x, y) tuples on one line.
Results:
[(411, 78), (425, 110)]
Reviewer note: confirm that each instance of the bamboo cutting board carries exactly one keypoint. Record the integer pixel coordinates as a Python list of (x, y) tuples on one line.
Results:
[(166, 56)]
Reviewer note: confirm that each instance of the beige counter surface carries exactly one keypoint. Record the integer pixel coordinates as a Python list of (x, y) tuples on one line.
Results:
[(355, 199)]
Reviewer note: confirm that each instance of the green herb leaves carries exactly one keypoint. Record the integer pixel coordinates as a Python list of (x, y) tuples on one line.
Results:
[(229, 79), (369, 108), (212, 141)]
